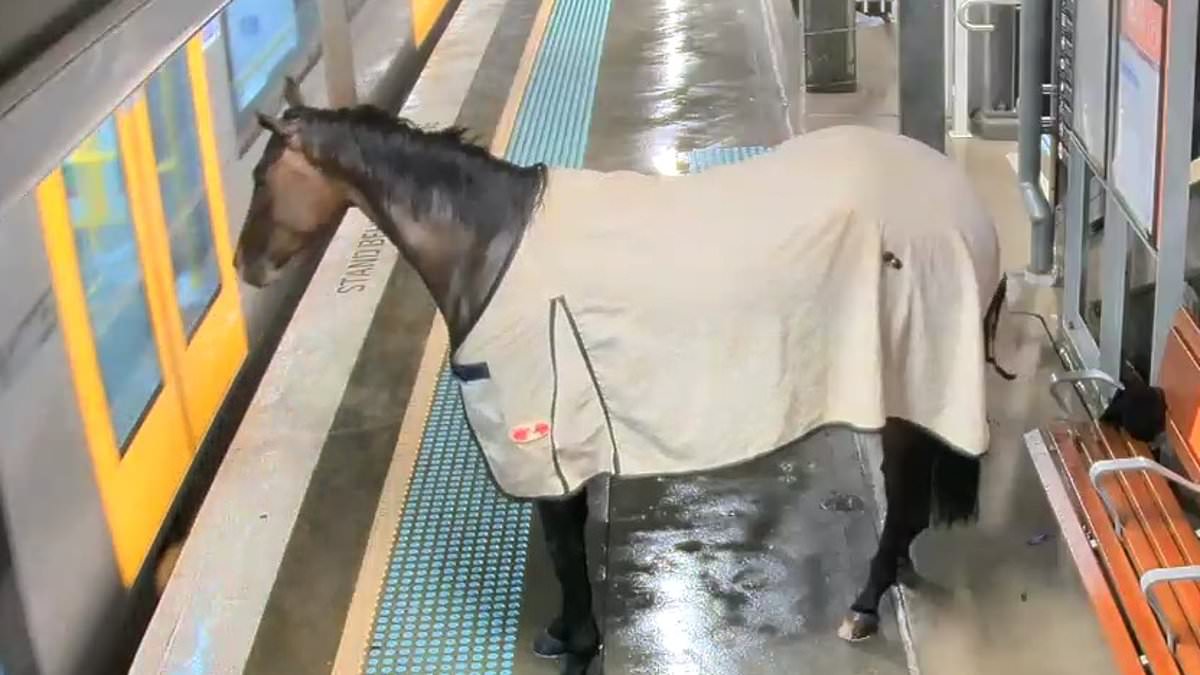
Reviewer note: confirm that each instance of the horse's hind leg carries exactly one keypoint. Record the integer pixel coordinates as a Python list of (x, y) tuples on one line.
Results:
[(574, 632), (907, 476)]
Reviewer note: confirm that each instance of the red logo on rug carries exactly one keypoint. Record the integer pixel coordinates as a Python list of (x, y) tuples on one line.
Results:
[(528, 433)]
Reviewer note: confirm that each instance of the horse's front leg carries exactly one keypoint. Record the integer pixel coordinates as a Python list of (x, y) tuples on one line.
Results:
[(907, 476), (574, 632)]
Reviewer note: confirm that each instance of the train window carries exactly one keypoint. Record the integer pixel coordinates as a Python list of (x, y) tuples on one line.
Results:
[(265, 39), (182, 187), (1134, 167), (110, 268)]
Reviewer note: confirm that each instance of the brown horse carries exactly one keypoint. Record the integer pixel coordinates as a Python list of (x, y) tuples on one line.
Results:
[(458, 214)]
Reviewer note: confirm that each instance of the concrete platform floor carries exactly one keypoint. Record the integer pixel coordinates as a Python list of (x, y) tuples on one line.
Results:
[(746, 570)]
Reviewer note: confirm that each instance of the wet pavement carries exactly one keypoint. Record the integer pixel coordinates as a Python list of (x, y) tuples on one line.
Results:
[(747, 570), (750, 569)]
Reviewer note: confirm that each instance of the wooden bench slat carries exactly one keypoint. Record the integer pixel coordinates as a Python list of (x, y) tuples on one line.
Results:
[(1139, 543), (1180, 382), (1112, 622), (1185, 537), (1188, 329), (1145, 548), (1124, 579), (1181, 529), (1162, 521)]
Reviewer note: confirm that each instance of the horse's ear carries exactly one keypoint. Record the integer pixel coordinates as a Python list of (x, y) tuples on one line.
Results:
[(291, 92), (278, 127), (271, 124)]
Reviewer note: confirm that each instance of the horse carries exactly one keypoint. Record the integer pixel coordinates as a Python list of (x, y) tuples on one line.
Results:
[(484, 235)]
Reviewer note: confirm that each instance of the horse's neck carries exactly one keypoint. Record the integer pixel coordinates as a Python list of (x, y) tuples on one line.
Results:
[(459, 264)]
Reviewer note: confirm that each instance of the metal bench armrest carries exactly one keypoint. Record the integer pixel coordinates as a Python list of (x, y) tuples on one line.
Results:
[(1107, 466), (1086, 375), (1166, 575)]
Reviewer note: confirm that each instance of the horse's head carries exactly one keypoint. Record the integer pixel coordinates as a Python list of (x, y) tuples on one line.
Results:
[(294, 202)]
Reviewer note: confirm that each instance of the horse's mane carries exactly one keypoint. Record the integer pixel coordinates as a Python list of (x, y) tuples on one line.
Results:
[(375, 128), (416, 163)]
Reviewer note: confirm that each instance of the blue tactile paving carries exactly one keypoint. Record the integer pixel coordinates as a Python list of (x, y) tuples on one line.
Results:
[(451, 601), (452, 596), (706, 158), (552, 125)]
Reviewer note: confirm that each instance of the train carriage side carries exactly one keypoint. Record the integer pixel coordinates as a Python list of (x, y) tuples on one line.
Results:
[(127, 350)]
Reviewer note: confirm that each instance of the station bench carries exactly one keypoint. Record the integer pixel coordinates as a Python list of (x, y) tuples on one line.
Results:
[(1137, 554)]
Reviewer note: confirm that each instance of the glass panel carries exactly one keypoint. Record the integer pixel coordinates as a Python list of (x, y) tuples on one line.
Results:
[(1139, 78), (181, 182), (1137, 330), (263, 34), (1091, 275), (1091, 76), (1191, 288), (111, 271), (265, 40)]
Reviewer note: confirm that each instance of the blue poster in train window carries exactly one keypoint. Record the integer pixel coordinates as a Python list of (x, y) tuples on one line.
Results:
[(262, 34), (1139, 83)]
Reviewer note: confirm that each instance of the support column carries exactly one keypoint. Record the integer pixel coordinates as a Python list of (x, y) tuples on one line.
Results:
[(337, 54), (1175, 188), (1033, 61), (923, 71)]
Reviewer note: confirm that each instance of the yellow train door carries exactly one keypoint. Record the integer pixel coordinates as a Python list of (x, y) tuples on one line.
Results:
[(134, 225)]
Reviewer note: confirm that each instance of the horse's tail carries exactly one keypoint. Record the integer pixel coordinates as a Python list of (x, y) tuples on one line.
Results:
[(991, 320), (955, 488)]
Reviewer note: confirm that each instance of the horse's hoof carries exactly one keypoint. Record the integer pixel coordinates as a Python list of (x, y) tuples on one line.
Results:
[(858, 626), (547, 646)]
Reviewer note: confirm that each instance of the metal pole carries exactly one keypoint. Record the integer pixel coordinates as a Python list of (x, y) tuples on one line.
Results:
[(922, 71), (1032, 74), (1179, 82), (960, 94), (337, 55)]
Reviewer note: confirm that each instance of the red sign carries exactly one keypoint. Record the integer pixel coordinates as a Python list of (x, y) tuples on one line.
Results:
[(1142, 24)]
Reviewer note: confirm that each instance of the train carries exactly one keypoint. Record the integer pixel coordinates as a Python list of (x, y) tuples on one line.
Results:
[(128, 349)]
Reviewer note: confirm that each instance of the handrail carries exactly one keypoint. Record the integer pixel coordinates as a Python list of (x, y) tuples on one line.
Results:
[(1154, 576), (1085, 375), (960, 14), (1107, 466), (1166, 575)]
